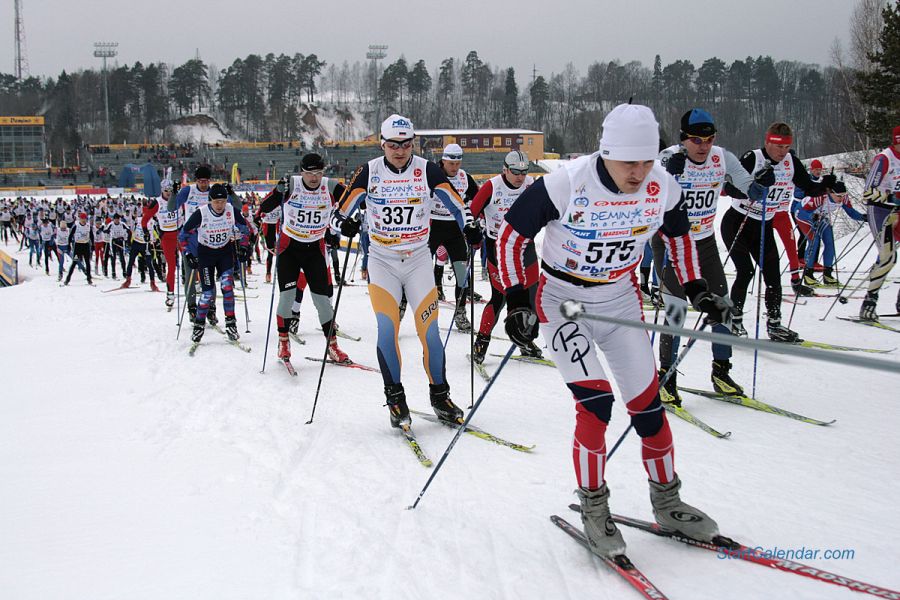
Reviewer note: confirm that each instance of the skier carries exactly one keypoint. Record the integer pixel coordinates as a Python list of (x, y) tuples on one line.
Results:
[(188, 200), (445, 232), (399, 189), (701, 169), (591, 249), (744, 222), (81, 240), (307, 208), (270, 223), (48, 234), (882, 198), (207, 240), (115, 233), (138, 248), (62, 246), (168, 224), (814, 220), (492, 201)]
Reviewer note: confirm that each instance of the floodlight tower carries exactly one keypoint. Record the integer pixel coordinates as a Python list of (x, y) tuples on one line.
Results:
[(20, 68), (106, 50)]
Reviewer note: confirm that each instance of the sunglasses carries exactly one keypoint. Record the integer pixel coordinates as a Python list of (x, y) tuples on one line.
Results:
[(398, 145), (698, 139), (452, 157), (517, 171)]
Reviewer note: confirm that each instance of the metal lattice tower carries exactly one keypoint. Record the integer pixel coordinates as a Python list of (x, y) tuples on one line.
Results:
[(20, 68)]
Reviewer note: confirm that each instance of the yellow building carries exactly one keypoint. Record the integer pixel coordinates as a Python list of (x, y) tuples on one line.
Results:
[(483, 140)]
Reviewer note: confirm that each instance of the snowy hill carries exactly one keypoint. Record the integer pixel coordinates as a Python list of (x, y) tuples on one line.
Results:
[(133, 471)]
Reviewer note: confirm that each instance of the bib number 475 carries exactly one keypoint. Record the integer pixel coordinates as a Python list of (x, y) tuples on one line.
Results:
[(609, 251)]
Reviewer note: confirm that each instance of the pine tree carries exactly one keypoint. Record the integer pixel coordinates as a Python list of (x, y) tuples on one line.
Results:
[(879, 90)]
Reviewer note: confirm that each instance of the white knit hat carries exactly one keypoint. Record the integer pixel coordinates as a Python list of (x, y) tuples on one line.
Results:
[(630, 132), (396, 127), (452, 152)]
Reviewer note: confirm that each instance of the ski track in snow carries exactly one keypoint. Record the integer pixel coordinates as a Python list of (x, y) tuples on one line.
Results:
[(133, 470)]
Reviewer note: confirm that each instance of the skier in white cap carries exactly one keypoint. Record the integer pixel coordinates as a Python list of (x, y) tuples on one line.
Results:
[(599, 210), (399, 190)]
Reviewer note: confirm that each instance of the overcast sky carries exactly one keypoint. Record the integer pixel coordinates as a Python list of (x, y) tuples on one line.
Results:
[(60, 33)]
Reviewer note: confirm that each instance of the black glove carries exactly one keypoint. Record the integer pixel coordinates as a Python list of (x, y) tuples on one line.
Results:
[(829, 181), (675, 163), (243, 252), (473, 235), (281, 186), (229, 189), (839, 188), (765, 177), (521, 322), (718, 309), (816, 217), (350, 227), (191, 261), (333, 240), (146, 233)]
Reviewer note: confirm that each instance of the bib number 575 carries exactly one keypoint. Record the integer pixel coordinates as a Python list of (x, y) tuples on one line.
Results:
[(609, 251)]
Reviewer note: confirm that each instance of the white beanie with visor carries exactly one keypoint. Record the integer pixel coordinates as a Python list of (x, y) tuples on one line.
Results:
[(630, 133)]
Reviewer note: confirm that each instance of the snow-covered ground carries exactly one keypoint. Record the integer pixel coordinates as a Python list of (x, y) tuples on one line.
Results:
[(130, 470)]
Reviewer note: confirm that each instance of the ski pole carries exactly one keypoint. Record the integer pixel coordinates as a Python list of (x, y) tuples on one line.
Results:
[(181, 319), (271, 303), (471, 276), (453, 321), (759, 300), (572, 310), (662, 382), (337, 304), (461, 428), (840, 296), (355, 260), (244, 289)]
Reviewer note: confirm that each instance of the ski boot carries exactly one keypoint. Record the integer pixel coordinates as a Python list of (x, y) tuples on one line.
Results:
[(531, 351), (335, 353), (442, 404), (480, 348), (197, 334), (211, 317), (867, 312), (268, 278), (668, 392), (800, 288), (604, 537), (737, 327), (673, 514), (153, 287), (126, 283), (779, 333), (396, 403), (461, 320), (829, 279), (284, 346), (170, 299), (809, 278), (364, 275), (231, 329), (722, 381), (58, 279)]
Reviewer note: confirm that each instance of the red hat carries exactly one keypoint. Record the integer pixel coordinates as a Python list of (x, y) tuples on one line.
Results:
[(815, 164), (897, 134), (82, 215)]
